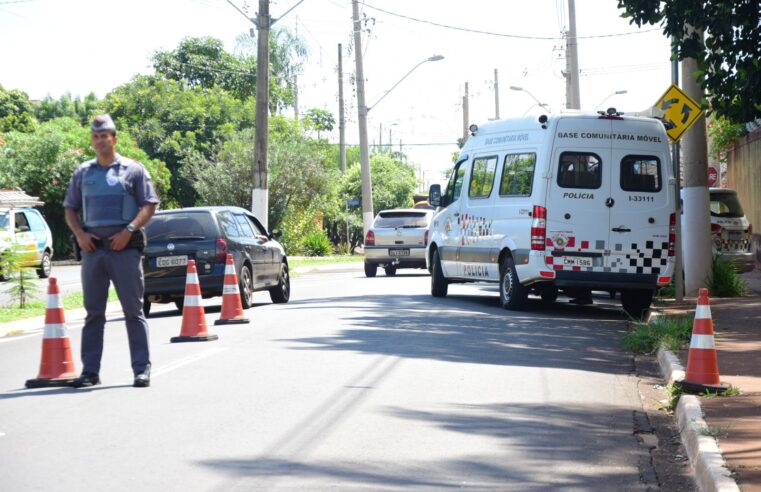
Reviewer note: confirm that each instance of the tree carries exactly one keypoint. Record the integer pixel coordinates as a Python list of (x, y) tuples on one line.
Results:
[(321, 119), (65, 106), (16, 112), (728, 60)]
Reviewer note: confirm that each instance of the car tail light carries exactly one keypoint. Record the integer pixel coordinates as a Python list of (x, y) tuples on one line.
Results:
[(672, 234), (538, 228), (221, 249), (370, 239), (750, 229), (425, 238), (715, 229)]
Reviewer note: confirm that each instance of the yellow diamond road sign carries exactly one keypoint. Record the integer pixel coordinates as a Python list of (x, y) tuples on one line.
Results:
[(680, 112)]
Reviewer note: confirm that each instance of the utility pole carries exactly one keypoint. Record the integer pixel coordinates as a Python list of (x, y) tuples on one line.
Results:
[(496, 95), (465, 116), (341, 120), (572, 98), (296, 97), (259, 194), (697, 257), (678, 257), (364, 154)]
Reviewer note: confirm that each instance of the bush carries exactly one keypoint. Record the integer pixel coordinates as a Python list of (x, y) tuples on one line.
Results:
[(317, 244), (726, 281), (669, 332)]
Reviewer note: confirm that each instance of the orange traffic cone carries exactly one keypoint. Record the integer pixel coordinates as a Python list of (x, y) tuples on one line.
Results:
[(57, 364), (232, 310), (702, 362), (193, 315)]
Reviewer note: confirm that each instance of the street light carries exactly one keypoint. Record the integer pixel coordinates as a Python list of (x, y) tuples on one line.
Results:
[(429, 59), (617, 93), (521, 89)]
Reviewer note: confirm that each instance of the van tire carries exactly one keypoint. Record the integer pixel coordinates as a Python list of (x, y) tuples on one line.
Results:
[(512, 294), (439, 284), (636, 302), (390, 271), (549, 294), (370, 270)]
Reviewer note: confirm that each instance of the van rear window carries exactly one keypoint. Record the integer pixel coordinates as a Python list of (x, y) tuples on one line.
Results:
[(641, 173), (580, 170)]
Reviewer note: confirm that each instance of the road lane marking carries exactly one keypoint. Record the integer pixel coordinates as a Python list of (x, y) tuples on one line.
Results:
[(187, 360), (13, 338)]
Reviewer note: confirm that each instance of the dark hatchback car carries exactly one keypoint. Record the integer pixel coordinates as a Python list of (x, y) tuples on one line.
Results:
[(207, 235)]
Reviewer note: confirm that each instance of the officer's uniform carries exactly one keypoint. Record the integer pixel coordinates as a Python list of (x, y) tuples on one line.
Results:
[(109, 199)]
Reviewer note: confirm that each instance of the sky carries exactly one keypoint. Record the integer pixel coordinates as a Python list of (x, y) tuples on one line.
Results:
[(51, 47)]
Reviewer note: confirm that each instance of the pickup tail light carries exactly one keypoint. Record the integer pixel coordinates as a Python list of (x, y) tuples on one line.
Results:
[(370, 238), (715, 229), (538, 228), (221, 249), (672, 234), (750, 229)]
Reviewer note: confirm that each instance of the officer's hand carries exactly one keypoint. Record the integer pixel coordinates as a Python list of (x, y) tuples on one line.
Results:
[(84, 239), (120, 240)]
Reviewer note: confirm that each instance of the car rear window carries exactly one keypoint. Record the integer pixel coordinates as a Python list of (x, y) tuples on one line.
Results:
[(390, 220), (726, 205), (580, 170), (641, 173), (179, 225)]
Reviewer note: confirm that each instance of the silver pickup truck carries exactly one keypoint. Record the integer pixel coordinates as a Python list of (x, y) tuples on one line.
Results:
[(397, 240)]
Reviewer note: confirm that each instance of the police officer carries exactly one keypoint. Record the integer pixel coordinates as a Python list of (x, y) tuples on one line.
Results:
[(109, 200)]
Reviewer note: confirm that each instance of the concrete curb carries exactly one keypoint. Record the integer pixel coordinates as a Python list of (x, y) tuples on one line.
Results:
[(711, 473)]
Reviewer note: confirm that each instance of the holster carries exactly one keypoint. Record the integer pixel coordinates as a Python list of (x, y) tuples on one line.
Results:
[(138, 241)]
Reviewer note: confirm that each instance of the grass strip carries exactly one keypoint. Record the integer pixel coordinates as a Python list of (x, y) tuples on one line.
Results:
[(37, 308), (671, 332)]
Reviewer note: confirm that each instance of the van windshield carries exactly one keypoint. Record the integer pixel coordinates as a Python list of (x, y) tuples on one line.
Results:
[(392, 220), (3, 221), (725, 204)]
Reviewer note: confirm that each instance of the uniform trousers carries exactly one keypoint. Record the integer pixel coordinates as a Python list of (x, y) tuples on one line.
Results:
[(125, 269)]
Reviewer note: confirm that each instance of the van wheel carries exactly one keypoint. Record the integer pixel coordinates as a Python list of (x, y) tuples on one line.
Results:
[(439, 284), (636, 302), (390, 271), (45, 266), (370, 270), (512, 294), (146, 306), (549, 293)]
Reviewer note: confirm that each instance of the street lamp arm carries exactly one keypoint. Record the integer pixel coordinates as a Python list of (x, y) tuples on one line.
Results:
[(431, 59), (609, 96), (538, 102)]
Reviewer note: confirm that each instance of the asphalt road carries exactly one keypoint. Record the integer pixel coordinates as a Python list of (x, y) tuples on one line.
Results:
[(68, 281), (357, 384)]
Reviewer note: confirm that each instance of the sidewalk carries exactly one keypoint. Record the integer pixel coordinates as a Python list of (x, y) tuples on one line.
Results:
[(735, 421)]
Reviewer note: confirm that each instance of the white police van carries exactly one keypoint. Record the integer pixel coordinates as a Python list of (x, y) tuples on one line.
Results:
[(575, 202)]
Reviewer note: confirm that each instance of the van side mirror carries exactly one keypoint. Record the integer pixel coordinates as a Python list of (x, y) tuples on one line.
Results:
[(434, 195)]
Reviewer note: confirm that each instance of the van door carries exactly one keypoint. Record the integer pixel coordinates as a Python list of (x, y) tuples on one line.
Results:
[(641, 211), (578, 215), (476, 217), (449, 221)]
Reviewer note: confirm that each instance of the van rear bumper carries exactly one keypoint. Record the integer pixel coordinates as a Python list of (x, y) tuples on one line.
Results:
[(604, 281)]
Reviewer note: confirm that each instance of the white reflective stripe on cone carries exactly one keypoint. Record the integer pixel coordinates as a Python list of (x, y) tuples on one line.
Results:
[(56, 330), (703, 311), (701, 342), (55, 301), (229, 269), (230, 289), (193, 301), (192, 278)]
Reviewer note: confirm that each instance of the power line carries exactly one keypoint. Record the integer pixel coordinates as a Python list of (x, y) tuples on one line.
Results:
[(503, 35)]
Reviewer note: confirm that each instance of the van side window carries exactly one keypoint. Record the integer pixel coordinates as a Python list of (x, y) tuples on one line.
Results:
[(641, 173), (580, 170), (455, 185), (482, 177), (517, 175)]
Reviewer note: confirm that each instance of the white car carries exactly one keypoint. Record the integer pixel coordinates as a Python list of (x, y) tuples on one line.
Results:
[(397, 240), (731, 232)]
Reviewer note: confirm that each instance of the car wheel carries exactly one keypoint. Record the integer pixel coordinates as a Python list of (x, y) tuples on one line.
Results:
[(281, 293), (512, 294), (45, 266), (439, 284), (636, 302), (179, 303), (390, 271), (370, 270), (146, 306), (246, 287), (549, 293)]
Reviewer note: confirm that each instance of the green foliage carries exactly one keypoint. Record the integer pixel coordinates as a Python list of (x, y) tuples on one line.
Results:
[(316, 244), (320, 119), (66, 107), (726, 282), (16, 112), (393, 181), (674, 392), (41, 163), (173, 123), (728, 59), (670, 332), (723, 137), (22, 286)]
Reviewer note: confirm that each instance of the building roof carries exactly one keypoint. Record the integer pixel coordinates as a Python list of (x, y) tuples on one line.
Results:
[(17, 198)]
